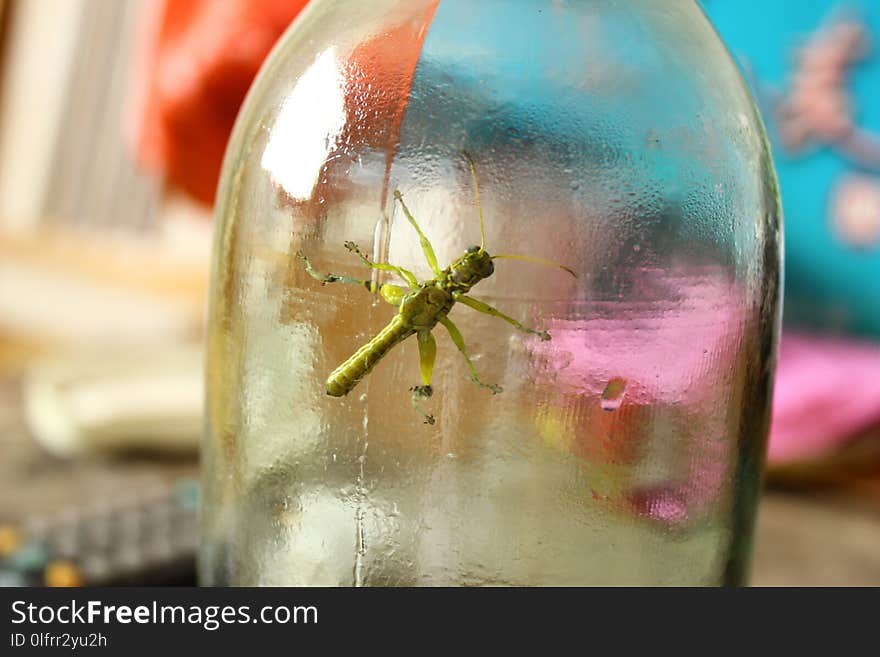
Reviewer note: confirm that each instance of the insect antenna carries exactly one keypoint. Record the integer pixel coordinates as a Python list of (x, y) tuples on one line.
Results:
[(479, 205), (537, 261)]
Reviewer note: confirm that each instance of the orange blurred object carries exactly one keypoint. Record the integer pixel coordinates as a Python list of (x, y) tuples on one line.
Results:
[(379, 74), (198, 60), (62, 574)]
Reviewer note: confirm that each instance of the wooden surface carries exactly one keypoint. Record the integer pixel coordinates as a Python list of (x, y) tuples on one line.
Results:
[(817, 539)]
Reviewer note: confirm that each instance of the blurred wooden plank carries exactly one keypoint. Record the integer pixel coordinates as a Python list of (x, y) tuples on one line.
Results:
[(60, 289), (175, 268)]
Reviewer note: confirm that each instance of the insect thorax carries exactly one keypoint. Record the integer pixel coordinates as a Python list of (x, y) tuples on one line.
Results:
[(468, 270), (422, 308)]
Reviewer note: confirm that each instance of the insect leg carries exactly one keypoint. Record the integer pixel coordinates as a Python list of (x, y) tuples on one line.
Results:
[(427, 352), (405, 274), (455, 334), (489, 310), (427, 249), (393, 294), (473, 169)]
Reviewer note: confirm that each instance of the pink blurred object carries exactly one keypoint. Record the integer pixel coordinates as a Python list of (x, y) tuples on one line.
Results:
[(671, 352), (827, 392)]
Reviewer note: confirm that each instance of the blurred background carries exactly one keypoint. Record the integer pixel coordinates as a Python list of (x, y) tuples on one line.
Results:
[(114, 116)]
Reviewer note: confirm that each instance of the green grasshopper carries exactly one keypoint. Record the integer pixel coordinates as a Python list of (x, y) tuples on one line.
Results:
[(421, 306)]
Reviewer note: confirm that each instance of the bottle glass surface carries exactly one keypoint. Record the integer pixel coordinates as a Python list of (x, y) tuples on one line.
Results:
[(614, 137)]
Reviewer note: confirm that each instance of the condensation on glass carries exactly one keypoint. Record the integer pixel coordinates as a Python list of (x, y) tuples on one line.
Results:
[(617, 138)]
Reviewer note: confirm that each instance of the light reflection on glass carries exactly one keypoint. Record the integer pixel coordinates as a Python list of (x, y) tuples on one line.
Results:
[(307, 128)]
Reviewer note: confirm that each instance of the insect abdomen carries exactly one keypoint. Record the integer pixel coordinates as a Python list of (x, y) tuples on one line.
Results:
[(345, 377)]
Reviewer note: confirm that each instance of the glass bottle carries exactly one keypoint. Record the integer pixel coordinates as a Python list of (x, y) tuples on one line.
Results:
[(616, 138)]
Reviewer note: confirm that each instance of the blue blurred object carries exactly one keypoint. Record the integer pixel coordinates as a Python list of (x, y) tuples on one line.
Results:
[(815, 68)]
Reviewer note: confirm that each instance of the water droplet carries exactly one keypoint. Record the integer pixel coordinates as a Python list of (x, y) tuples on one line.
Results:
[(575, 185), (363, 397), (612, 396)]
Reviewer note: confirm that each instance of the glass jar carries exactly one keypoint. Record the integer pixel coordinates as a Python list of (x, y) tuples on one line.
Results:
[(615, 138)]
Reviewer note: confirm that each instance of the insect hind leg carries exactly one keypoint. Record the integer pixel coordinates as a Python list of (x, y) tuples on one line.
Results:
[(420, 394), (427, 354)]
